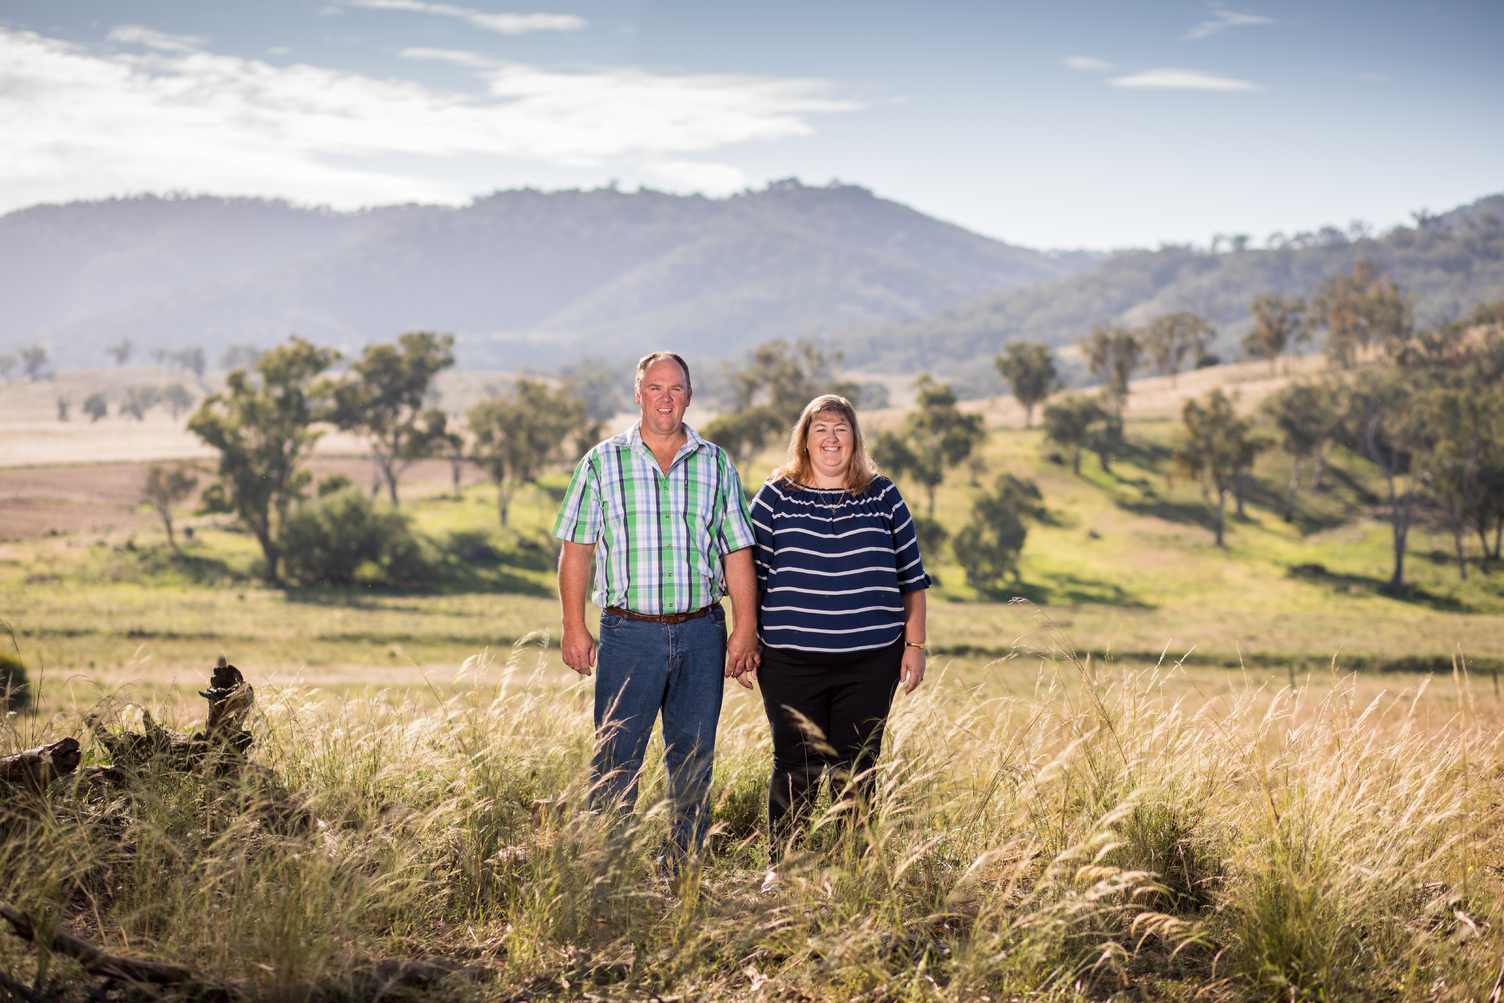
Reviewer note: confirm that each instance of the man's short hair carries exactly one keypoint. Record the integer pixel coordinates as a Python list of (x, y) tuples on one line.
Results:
[(652, 357)]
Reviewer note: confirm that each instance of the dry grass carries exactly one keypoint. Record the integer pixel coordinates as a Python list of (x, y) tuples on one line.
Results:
[(1098, 831)]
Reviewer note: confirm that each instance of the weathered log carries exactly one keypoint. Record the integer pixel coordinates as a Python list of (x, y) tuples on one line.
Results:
[(95, 961), (230, 700), (35, 768), (222, 743)]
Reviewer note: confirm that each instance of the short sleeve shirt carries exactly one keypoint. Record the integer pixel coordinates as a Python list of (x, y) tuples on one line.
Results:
[(833, 568), (659, 537)]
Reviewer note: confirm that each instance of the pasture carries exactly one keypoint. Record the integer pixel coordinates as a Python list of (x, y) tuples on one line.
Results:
[(1168, 771)]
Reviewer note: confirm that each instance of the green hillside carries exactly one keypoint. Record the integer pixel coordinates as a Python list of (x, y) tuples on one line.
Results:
[(1122, 560), (1450, 263)]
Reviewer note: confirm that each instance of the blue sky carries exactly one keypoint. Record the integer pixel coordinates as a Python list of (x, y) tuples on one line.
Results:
[(1050, 125)]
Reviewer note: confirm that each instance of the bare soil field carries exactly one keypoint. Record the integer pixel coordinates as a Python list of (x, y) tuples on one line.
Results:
[(32, 434), (38, 501)]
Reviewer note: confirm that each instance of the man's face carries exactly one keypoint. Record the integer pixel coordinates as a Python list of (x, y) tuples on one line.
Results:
[(663, 395)]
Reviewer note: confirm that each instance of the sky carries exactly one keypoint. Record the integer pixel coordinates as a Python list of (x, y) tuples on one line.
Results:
[(1062, 125)]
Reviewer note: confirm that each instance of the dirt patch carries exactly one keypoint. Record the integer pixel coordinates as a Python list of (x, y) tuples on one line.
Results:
[(43, 501), (27, 519)]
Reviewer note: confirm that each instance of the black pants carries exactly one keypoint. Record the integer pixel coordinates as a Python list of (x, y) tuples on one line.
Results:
[(844, 702)]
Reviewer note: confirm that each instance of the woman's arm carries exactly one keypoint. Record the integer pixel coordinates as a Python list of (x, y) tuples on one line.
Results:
[(914, 632)]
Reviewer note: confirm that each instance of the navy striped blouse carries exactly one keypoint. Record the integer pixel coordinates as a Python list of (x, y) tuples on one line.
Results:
[(833, 568)]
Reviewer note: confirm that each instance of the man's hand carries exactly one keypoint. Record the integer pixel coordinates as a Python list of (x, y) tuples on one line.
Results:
[(742, 658), (911, 670), (579, 649), (574, 581)]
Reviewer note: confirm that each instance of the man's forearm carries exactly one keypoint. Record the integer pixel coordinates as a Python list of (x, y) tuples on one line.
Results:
[(574, 581), (741, 585)]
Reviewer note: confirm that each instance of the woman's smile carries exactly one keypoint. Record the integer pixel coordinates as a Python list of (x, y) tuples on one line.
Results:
[(829, 444)]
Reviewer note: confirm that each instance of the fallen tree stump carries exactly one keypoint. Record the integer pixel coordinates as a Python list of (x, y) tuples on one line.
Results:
[(35, 768), (376, 979), (218, 750), (222, 743), (93, 960)]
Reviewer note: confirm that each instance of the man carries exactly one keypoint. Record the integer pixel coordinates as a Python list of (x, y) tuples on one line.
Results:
[(663, 514)]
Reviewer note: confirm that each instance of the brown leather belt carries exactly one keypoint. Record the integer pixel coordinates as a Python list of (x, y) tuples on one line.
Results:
[(665, 617)]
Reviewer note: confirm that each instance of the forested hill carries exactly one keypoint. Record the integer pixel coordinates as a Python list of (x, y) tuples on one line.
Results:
[(521, 277), (1449, 262)]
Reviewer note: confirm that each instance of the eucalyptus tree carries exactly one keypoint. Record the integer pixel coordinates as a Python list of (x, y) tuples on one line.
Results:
[(383, 397), (1069, 421), (989, 545), (770, 390), (33, 361), (1029, 368), (1382, 424), (1112, 355), (262, 426), (937, 435), (1171, 337), (1359, 312), (1279, 323), (513, 438), (1307, 416), (1465, 431), (1216, 448), (165, 488)]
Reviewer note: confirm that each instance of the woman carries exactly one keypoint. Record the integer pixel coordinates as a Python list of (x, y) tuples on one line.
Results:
[(842, 615)]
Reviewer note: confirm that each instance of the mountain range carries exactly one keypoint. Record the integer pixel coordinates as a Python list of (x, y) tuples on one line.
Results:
[(533, 279), (521, 277), (1448, 263)]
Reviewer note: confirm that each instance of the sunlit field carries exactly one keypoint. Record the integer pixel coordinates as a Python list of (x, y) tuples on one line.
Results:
[(1163, 771), (1072, 829)]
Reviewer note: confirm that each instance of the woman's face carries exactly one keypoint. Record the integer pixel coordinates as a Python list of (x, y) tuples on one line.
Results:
[(830, 443)]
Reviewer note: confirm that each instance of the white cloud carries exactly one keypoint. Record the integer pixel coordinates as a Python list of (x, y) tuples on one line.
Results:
[(134, 34), (1086, 63), (1183, 80), (506, 24), (76, 124), (459, 57), (1222, 19)]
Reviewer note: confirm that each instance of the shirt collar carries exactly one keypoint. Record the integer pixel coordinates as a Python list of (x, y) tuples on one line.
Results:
[(692, 441)]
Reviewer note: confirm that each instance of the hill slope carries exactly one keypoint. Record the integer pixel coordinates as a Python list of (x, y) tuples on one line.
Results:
[(522, 277), (1452, 263)]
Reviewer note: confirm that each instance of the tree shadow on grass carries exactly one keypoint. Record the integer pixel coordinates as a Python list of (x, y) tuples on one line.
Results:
[(1187, 513), (1350, 584), (1068, 590), (1143, 453)]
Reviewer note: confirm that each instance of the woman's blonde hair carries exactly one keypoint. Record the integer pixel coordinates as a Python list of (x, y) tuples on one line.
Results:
[(797, 470)]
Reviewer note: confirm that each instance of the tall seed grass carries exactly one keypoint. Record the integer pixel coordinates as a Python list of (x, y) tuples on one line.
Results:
[(1092, 837)]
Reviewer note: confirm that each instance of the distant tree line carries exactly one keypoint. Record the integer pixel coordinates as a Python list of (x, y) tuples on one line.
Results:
[(266, 421), (1425, 408)]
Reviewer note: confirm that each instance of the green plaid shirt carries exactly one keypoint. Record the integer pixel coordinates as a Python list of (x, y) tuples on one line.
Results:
[(660, 537)]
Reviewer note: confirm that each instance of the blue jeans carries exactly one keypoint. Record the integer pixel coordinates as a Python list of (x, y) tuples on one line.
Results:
[(642, 668)]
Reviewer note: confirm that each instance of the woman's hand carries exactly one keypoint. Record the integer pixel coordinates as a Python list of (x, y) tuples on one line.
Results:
[(914, 615), (911, 670)]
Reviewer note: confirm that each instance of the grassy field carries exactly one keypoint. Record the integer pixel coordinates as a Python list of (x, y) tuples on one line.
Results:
[(1155, 775)]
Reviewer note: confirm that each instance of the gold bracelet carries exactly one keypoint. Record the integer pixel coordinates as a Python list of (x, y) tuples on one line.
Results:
[(914, 644)]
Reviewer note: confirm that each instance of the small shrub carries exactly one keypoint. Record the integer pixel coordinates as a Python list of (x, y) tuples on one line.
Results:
[(344, 539), (989, 545), (333, 483), (15, 688), (1161, 837)]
